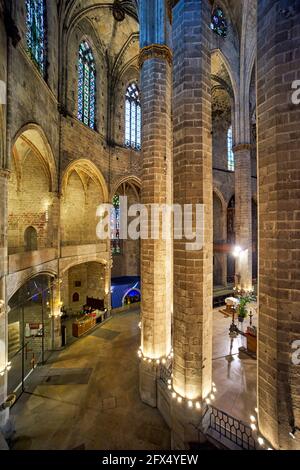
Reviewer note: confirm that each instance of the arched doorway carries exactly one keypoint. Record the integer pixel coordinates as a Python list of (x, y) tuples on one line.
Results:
[(30, 239), (132, 297)]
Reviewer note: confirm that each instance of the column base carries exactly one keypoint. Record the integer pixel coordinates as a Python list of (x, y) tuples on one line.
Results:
[(187, 427), (148, 383)]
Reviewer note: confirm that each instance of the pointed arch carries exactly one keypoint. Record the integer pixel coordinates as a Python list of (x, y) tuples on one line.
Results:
[(35, 138), (36, 33), (86, 85), (133, 117), (88, 168)]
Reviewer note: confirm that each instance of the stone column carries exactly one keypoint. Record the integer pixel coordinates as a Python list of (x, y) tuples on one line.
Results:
[(278, 64), (156, 84), (107, 280), (56, 315), (3, 306), (192, 185), (243, 216)]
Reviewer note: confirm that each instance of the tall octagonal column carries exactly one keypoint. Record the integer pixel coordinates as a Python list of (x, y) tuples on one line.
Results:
[(243, 216), (192, 185), (4, 175), (278, 65), (156, 84)]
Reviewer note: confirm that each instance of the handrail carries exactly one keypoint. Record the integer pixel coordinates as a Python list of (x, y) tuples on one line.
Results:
[(231, 428)]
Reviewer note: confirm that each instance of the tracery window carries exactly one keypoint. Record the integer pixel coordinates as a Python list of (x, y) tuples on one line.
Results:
[(115, 227), (86, 85), (219, 22), (133, 117), (230, 154), (36, 32)]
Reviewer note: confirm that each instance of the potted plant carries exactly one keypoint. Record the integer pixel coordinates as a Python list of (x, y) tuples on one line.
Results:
[(242, 307), (242, 310)]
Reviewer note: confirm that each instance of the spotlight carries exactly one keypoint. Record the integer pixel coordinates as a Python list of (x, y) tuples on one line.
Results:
[(179, 399), (190, 403), (198, 406), (237, 251), (294, 432), (260, 441), (252, 419), (253, 427)]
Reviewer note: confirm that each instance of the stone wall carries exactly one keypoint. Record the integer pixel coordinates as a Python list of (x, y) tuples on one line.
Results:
[(86, 280), (279, 209)]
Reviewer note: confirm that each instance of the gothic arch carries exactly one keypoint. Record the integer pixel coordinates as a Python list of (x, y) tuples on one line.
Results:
[(131, 180), (84, 166), (34, 136)]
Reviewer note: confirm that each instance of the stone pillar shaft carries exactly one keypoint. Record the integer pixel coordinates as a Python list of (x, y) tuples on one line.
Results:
[(192, 185), (156, 189), (279, 222), (3, 305), (243, 215), (56, 315)]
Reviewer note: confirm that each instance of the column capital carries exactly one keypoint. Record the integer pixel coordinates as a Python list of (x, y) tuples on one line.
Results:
[(241, 147), (154, 51)]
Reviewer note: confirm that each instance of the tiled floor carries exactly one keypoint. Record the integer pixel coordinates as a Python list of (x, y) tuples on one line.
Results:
[(87, 397), (234, 373)]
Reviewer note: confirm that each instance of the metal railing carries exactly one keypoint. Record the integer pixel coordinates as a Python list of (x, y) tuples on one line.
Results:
[(231, 428)]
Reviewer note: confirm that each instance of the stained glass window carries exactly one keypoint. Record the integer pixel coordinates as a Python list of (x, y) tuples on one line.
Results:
[(133, 117), (36, 32), (219, 22), (230, 155), (86, 85), (115, 227)]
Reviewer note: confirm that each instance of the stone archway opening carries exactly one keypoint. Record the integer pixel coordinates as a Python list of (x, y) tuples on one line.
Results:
[(125, 253), (31, 187), (29, 329)]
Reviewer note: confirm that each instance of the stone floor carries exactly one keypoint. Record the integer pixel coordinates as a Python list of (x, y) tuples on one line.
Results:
[(234, 373), (87, 397)]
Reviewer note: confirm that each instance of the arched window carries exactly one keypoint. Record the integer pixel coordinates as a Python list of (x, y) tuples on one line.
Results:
[(115, 226), (86, 85), (133, 118), (30, 239), (219, 22), (36, 32), (230, 155), (75, 297)]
